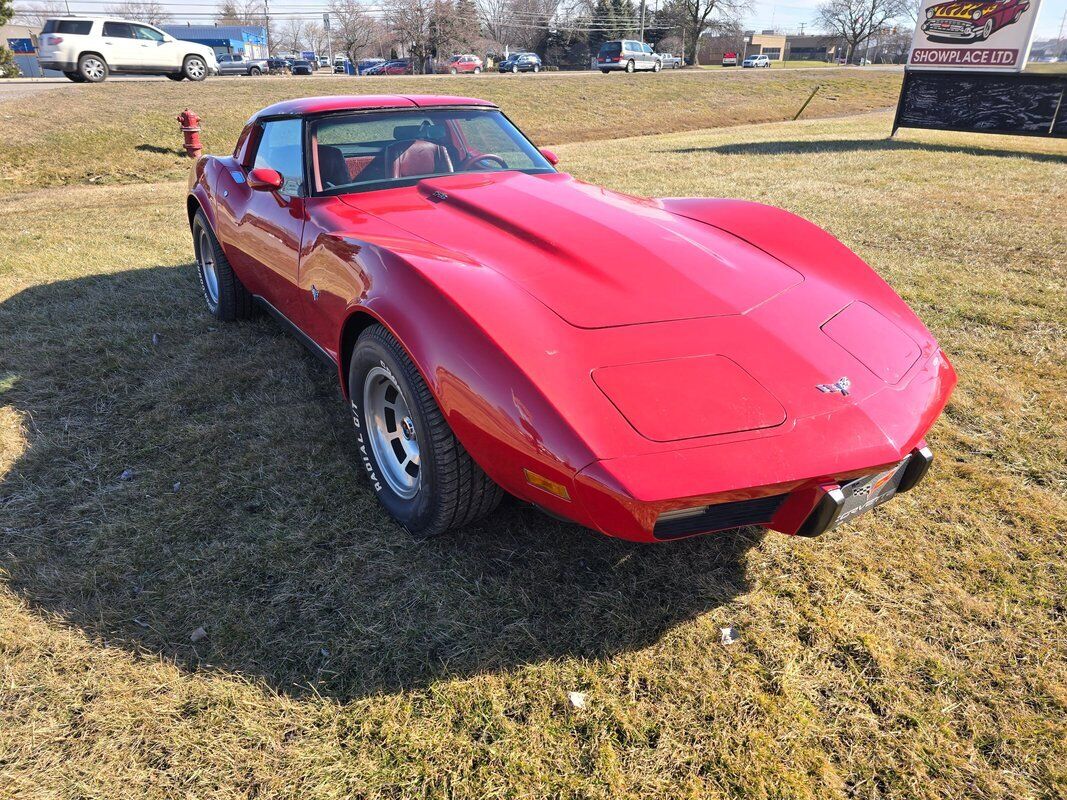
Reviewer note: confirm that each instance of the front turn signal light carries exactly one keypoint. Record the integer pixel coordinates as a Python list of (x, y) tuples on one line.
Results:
[(550, 486)]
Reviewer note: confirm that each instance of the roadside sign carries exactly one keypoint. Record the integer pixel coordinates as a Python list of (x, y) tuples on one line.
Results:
[(986, 35), (326, 21)]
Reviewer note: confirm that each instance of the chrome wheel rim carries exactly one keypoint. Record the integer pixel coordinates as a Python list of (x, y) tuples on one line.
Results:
[(93, 68), (205, 257), (195, 68), (392, 434)]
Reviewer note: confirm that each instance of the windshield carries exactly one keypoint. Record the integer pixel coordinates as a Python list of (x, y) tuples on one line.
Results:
[(359, 152)]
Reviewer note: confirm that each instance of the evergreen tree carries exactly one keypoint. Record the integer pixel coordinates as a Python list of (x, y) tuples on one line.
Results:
[(602, 28)]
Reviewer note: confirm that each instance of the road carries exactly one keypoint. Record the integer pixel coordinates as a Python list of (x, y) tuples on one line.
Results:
[(24, 87)]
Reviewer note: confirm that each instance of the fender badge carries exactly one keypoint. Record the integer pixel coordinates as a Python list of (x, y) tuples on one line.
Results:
[(314, 292), (842, 385)]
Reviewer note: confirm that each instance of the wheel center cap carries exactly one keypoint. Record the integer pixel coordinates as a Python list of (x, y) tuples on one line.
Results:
[(407, 427)]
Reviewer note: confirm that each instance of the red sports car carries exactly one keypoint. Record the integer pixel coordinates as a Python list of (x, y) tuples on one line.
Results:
[(649, 368), (974, 21)]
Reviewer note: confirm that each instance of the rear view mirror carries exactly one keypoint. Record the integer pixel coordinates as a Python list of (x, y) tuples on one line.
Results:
[(265, 180), (550, 157)]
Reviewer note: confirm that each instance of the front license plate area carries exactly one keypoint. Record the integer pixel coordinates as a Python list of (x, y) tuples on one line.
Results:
[(868, 492)]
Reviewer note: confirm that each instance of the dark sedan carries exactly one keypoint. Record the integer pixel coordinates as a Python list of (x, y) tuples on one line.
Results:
[(521, 62), (303, 68)]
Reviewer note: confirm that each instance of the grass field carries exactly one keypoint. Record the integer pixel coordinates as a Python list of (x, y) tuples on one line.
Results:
[(920, 653), (126, 132)]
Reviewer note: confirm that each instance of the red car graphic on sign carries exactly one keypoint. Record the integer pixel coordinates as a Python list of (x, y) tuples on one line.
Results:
[(974, 22)]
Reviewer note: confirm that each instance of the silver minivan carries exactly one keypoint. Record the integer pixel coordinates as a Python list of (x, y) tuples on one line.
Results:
[(628, 56)]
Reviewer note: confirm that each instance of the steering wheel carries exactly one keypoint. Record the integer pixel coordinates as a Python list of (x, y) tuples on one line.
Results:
[(475, 159)]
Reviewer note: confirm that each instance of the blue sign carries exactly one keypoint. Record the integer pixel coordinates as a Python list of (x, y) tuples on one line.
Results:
[(21, 46), (307, 55)]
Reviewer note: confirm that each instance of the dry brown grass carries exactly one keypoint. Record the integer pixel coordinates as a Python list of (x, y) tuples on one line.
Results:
[(126, 132), (918, 653)]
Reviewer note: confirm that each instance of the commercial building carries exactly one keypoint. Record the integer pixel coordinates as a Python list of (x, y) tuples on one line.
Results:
[(813, 48), (248, 40), (768, 44)]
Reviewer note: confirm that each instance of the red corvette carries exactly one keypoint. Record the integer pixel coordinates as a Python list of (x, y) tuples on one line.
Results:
[(649, 368)]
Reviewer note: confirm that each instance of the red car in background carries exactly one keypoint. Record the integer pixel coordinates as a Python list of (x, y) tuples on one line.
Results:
[(398, 66), (974, 21), (462, 64), (652, 368)]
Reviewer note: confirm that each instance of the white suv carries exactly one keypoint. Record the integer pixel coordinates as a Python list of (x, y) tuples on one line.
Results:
[(88, 49)]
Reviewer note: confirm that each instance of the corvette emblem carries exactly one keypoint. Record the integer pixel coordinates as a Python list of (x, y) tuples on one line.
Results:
[(842, 385)]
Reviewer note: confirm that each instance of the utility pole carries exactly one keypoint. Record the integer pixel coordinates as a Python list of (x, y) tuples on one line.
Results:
[(266, 19), (642, 21), (329, 36)]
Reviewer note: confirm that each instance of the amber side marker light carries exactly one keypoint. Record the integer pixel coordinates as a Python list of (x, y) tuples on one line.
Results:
[(541, 482)]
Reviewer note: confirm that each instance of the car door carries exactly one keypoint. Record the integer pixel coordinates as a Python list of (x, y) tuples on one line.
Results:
[(154, 51), (261, 230), (121, 50)]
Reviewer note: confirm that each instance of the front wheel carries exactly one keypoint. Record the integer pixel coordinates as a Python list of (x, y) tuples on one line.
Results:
[(452, 71), (194, 68), (536, 67), (515, 69), (657, 66), (477, 70), (420, 472), (227, 298)]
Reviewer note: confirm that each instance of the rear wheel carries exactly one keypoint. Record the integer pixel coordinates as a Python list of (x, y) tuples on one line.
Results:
[(227, 298), (536, 67), (605, 71), (92, 68), (477, 70), (515, 69), (255, 71), (420, 472), (630, 66), (194, 68), (452, 71)]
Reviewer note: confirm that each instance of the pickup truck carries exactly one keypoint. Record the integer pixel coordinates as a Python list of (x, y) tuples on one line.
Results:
[(670, 61), (236, 64)]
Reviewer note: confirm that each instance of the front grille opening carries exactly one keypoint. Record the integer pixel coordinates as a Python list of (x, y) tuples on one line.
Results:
[(737, 514)]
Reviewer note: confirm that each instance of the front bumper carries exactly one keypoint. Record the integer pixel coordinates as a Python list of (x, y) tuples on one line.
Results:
[(957, 29), (777, 481)]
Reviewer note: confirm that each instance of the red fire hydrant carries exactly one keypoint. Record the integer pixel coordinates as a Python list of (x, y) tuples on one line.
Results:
[(190, 125)]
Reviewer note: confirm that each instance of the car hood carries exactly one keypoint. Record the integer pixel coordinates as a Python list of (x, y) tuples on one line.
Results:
[(597, 258), (961, 10)]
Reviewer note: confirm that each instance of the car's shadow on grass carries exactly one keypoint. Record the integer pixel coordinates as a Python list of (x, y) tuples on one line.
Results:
[(174, 474), (835, 146)]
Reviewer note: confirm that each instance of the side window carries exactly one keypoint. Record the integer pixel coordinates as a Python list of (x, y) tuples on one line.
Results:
[(144, 32), (484, 135), (648, 48), (119, 30), (281, 148)]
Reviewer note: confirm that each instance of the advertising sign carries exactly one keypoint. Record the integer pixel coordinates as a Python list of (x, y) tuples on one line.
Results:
[(987, 35), (21, 46)]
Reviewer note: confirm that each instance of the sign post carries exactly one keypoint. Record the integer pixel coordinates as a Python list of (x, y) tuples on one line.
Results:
[(329, 38)]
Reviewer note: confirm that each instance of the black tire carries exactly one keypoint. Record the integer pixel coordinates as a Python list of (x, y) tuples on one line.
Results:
[(514, 69), (605, 71), (234, 301), (92, 68), (452, 490), (194, 68), (74, 76), (174, 77), (254, 71), (536, 67)]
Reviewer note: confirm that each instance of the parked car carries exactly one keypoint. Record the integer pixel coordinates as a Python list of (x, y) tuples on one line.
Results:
[(237, 64), (465, 63), (398, 66), (303, 67), (340, 64), (756, 61), (364, 65), (670, 61), (88, 49), (697, 364), (973, 21), (729, 59), (628, 56), (520, 62), (276, 65)]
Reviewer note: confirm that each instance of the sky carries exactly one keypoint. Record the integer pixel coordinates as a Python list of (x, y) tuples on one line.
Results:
[(790, 15)]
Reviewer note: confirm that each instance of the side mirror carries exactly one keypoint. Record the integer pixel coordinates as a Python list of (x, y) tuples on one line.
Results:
[(265, 180), (550, 157)]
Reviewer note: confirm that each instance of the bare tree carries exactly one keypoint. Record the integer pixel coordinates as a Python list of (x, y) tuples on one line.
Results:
[(696, 17), (36, 13), (292, 36), (856, 20), (354, 30), (142, 10), (317, 38), (409, 20)]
